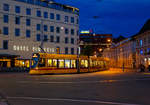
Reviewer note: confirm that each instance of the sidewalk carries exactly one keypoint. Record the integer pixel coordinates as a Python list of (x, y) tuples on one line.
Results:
[(128, 70), (125, 70)]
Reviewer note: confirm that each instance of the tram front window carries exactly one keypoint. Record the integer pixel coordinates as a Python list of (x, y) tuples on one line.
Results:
[(42, 63)]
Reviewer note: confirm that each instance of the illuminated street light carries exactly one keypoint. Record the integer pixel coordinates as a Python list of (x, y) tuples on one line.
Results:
[(108, 40), (100, 50)]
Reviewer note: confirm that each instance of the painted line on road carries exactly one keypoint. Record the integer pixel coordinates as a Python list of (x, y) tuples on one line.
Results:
[(71, 100), (84, 82)]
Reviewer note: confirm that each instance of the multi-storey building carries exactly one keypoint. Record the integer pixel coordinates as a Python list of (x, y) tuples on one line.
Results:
[(143, 48), (27, 24), (121, 54), (131, 52)]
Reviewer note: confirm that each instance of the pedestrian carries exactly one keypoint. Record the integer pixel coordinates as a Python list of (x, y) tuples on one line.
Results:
[(148, 67), (142, 67)]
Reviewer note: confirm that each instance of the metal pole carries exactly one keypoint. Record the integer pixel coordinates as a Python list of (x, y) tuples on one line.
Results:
[(78, 61)]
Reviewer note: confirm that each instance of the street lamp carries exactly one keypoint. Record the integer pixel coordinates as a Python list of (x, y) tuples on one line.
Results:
[(108, 40)]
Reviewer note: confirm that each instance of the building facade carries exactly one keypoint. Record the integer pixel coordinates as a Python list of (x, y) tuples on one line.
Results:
[(27, 24), (122, 54), (143, 48)]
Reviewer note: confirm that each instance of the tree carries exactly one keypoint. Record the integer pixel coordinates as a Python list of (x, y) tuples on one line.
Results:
[(87, 50)]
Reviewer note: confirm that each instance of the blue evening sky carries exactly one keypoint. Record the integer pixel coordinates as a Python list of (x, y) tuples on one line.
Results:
[(117, 17)]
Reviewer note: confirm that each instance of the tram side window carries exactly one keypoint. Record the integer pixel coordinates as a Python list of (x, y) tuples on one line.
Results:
[(67, 64), (61, 63), (99, 63), (84, 63), (54, 62), (104, 63), (49, 62), (91, 63), (73, 63)]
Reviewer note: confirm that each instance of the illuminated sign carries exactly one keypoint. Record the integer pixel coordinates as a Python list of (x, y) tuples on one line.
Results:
[(85, 32)]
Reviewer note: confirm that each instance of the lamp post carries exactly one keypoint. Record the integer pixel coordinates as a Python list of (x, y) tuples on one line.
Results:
[(78, 60)]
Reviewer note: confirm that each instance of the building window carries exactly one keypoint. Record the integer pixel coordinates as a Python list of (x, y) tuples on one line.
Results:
[(17, 32), (72, 40), (141, 42), (51, 28), (28, 22), (66, 40), (17, 9), (66, 50), (148, 51), (45, 14), (77, 21), (5, 31), (66, 19), (28, 11), (28, 33), (38, 27), (66, 31), (45, 28), (5, 18), (38, 37), (17, 20), (6, 7), (38, 13), (141, 52), (72, 19), (57, 16), (52, 16), (57, 39), (72, 50), (149, 39), (77, 32), (5, 44), (72, 31), (51, 38), (57, 29), (45, 38)]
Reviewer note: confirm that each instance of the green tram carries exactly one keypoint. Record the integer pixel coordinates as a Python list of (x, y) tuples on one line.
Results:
[(43, 63)]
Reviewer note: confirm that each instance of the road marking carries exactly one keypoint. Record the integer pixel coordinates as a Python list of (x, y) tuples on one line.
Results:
[(84, 82), (71, 100)]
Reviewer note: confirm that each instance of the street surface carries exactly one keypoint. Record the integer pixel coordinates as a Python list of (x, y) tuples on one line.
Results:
[(112, 87)]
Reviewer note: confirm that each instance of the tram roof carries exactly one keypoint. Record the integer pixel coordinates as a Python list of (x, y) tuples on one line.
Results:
[(64, 56), (57, 56)]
